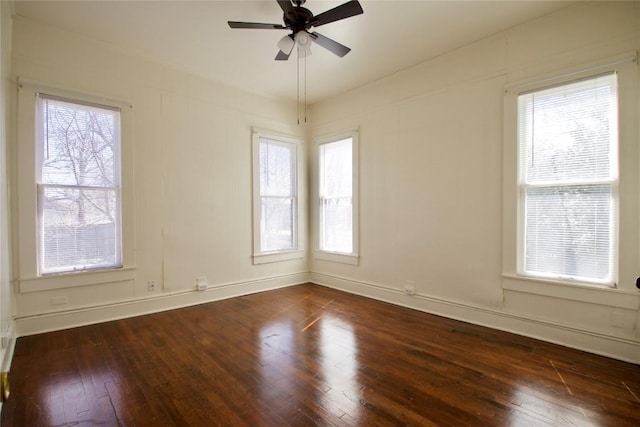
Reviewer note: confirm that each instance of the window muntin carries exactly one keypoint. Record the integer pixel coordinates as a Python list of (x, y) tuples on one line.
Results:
[(78, 185), (568, 176), (336, 196), (277, 169)]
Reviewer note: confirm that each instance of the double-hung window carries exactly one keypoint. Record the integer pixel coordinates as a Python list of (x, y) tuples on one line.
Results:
[(568, 181), (78, 185), (276, 209), (337, 198)]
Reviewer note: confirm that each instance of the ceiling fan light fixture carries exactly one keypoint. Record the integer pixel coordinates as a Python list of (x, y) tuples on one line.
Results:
[(286, 44), (304, 44), (303, 38)]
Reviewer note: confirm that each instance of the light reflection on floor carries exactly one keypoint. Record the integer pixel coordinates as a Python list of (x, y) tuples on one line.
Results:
[(340, 367), (536, 405), (277, 347), (334, 379), (334, 346)]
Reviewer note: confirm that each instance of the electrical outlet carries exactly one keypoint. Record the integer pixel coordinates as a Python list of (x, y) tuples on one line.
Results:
[(201, 284), (410, 287), (151, 285)]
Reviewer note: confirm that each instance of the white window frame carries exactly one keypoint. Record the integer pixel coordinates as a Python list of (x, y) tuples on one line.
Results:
[(29, 277), (612, 181), (353, 257), (624, 272), (42, 186), (260, 257)]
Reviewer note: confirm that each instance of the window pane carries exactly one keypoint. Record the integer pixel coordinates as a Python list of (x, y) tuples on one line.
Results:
[(568, 171), (337, 225), (276, 168), (569, 131), (78, 149), (337, 169), (336, 191), (79, 229), (276, 172), (276, 224), (80, 143), (568, 231)]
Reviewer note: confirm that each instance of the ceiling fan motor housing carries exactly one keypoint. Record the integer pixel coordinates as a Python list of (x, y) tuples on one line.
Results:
[(298, 19)]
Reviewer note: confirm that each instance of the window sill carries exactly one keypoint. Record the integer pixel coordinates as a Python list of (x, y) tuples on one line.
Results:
[(72, 280), (593, 294), (266, 258), (351, 259)]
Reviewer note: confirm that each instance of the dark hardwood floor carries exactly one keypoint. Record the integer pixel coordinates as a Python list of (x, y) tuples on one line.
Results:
[(309, 355)]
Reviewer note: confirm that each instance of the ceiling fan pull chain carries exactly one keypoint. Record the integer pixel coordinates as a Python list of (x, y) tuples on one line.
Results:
[(298, 87), (305, 89)]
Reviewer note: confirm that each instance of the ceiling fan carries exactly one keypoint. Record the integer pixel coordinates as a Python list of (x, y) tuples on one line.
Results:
[(300, 20)]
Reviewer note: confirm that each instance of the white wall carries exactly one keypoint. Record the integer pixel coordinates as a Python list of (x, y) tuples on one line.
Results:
[(6, 277), (436, 184), (189, 199), (432, 184)]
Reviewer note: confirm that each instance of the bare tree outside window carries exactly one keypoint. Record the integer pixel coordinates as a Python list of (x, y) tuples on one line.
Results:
[(79, 188)]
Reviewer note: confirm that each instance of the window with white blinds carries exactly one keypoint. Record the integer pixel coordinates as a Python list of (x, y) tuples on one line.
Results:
[(336, 196), (568, 180), (277, 172), (78, 185)]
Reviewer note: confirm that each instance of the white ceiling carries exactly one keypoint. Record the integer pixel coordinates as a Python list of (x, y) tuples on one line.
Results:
[(194, 36)]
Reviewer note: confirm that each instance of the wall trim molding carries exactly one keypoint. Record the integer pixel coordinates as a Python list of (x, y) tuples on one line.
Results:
[(620, 348), (627, 350), (7, 348), (48, 322)]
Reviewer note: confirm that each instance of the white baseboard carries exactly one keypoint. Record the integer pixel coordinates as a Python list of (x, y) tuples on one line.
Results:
[(35, 324), (627, 350), (596, 342), (7, 348)]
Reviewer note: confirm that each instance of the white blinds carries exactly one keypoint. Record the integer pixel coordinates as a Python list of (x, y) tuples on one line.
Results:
[(336, 196), (78, 179), (568, 172), (277, 169)]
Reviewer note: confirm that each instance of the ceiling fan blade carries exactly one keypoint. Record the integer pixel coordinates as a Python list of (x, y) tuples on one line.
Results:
[(281, 56), (256, 25), (345, 10), (286, 45), (286, 6), (329, 44)]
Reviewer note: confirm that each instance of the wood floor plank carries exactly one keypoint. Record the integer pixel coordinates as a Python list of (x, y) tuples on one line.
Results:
[(310, 356)]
